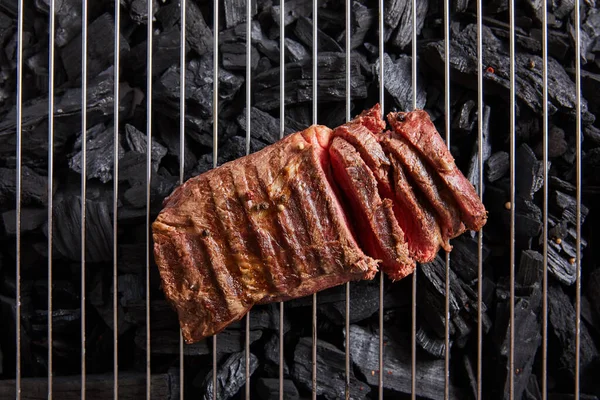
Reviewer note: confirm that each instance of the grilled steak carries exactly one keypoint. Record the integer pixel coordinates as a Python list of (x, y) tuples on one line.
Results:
[(275, 225)]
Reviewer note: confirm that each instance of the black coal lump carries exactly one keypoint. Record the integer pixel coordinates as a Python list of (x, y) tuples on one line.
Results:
[(138, 142), (231, 376), (398, 81), (34, 187), (304, 31), (268, 389), (399, 14), (99, 153)]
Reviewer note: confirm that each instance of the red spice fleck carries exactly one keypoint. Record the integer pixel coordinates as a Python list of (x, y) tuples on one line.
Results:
[(389, 372), (490, 70), (361, 388)]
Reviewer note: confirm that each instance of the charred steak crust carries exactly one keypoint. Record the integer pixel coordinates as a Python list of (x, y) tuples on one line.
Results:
[(287, 221)]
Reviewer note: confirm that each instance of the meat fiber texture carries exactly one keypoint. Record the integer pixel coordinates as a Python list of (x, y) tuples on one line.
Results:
[(317, 209)]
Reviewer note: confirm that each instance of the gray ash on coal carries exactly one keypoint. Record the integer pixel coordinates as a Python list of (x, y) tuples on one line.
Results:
[(132, 144)]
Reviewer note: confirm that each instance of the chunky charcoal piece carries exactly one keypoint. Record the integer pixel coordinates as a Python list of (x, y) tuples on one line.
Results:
[(417, 128), (398, 81), (497, 166), (364, 302), (34, 187), (234, 56), (295, 51), (100, 53), (31, 219), (262, 125), (268, 389), (235, 12), (399, 13), (331, 370), (363, 19), (559, 265), (274, 199), (425, 180), (379, 232), (294, 9), (528, 218), (465, 257), (557, 145), (138, 142), (99, 153), (265, 317), (271, 354), (138, 10), (530, 268), (531, 172), (364, 348), (568, 205), (529, 83), (432, 344), (304, 32), (473, 172), (231, 376), (561, 318)]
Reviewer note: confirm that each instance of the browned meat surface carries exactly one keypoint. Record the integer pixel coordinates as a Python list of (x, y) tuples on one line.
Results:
[(283, 223), (442, 202), (380, 233), (266, 227), (417, 128)]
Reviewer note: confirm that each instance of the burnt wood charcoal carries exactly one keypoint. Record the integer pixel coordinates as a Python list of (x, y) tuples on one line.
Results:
[(263, 126), (266, 46), (138, 142), (304, 32), (364, 348), (399, 14), (138, 10), (235, 12), (497, 166), (295, 51), (592, 291), (568, 205), (562, 326), (271, 353), (465, 257), (268, 389), (294, 9), (364, 302), (363, 19), (530, 268), (398, 81), (557, 145), (531, 172), (331, 367), (429, 342), (231, 376), (486, 150), (34, 187), (99, 153), (31, 219), (234, 56)]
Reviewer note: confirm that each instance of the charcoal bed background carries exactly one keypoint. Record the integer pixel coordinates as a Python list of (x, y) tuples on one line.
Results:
[(265, 130)]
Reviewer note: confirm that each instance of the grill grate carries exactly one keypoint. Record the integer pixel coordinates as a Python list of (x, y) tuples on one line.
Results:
[(215, 105)]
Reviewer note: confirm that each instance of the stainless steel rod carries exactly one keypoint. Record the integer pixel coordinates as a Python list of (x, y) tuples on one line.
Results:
[(84, 21), (314, 120), (215, 113), (480, 165), (348, 11), (413, 335), (18, 179), (511, 356), (148, 183), (248, 137), (182, 70), (51, 36), (381, 278), (447, 127), (578, 197), (281, 133), (117, 67), (545, 201)]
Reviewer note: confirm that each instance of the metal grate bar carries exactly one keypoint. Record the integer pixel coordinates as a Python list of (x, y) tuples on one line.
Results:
[(314, 117), (182, 69), (545, 201), (413, 336), (381, 278), (281, 133), (248, 135), (19, 132), (215, 114), (51, 36), (578, 196), (148, 183), (117, 67), (447, 127), (348, 24), (84, 21), (480, 167), (511, 356)]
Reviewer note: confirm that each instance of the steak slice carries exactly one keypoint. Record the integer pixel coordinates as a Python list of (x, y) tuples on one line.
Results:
[(263, 228), (380, 233), (443, 203), (417, 128)]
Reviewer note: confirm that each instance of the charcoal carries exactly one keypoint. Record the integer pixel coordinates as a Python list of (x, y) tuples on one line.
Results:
[(100, 296), (497, 165), (528, 218), (64, 321), (486, 150), (363, 19), (100, 53), (198, 34), (304, 32), (235, 12), (295, 51), (561, 96), (557, 145), (398, 81), (558, 184), (399, 13), (268, 389), (592, 285), (271, 353), (364, 302), (530, 177), (561, 318), (160, 187), (532, 391), (67, 228), (138, 142), (138, 10), (430, 343), (234, 56), (530, 268), (592, 134), (364, 348), (465, 257), (465, 117), (165, 49), (527, 338), (31, 219), (568, 205), (99, 153), (264, 317), (266, 46), (34, 187), (559, 266), (591, 166), (231, 376), (132, 168), (67, 18), (263, 126), (264, 64), (162, 315), (171, 138), (293, 10), (331, 370)]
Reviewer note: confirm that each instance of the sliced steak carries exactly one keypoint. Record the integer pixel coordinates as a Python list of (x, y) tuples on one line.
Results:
[(380, 234), (263, 228), (417, 128), (442, 202)]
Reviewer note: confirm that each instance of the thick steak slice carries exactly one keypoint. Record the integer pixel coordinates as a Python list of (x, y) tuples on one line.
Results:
[(417, 128), (418, 222), (263, 228), (443, 203), (378, 229)]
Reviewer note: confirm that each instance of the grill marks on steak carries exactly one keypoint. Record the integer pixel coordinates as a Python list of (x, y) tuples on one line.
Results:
[(380, 233), (417, 128)]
